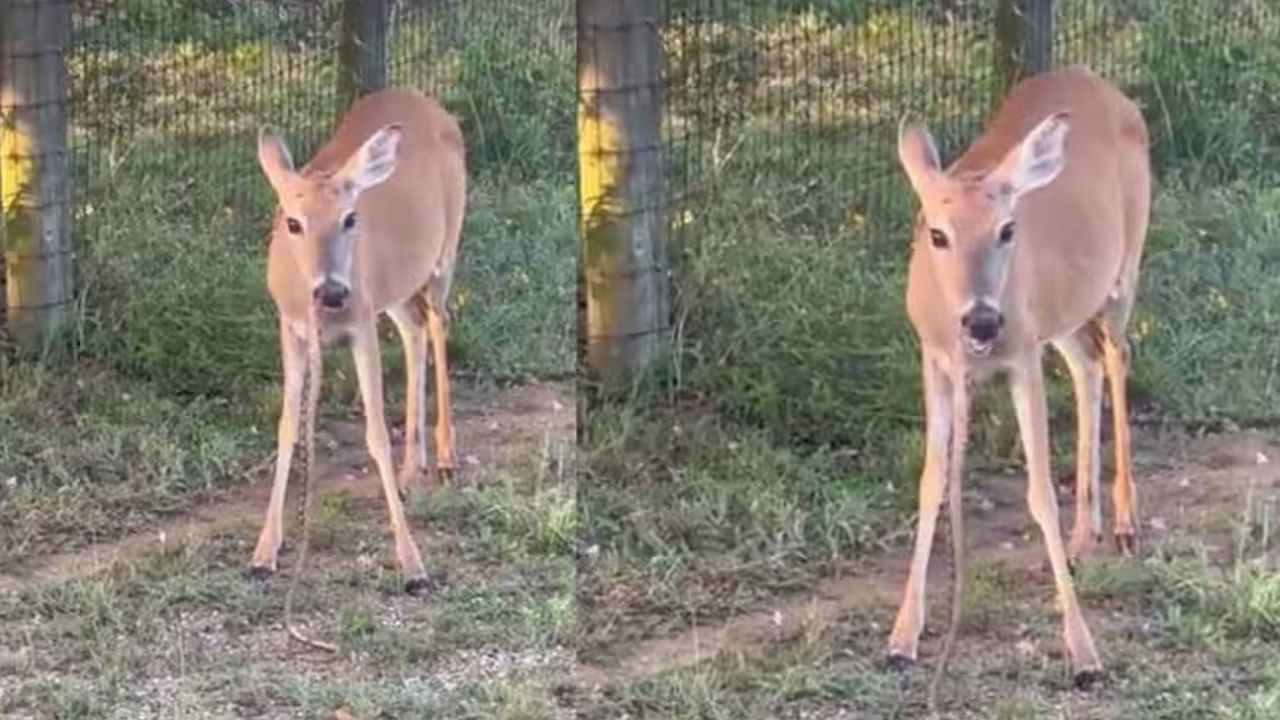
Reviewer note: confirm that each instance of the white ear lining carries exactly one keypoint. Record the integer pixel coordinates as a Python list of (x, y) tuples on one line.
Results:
[(375, 160), (1039, 158), (273, 157), (917, 153)]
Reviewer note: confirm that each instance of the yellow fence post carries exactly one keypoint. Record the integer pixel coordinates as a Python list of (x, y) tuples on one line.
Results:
[(34, 182), (624, 309)]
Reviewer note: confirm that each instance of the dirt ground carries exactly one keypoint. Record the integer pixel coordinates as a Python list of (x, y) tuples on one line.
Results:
[(166, 624), (1190, 491)]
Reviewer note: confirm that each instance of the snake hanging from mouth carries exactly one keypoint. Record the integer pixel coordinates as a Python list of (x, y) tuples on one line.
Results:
[(309, 404)]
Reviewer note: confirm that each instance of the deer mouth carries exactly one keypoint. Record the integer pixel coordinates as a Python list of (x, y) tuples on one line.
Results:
[(979, 348)]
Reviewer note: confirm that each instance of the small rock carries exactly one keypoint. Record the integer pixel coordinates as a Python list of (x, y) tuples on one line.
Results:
[(470, 460), (1006, 545), (1158, 524), (1262, 458), (1184, 482)]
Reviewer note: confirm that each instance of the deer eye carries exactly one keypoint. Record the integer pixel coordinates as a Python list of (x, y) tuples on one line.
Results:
[(1006, 233), (939, 238), (349, 221), (294, 227)]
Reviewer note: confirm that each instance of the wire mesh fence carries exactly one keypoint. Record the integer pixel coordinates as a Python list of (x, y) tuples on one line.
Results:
[(169, 215), (789, 216), (812, 91), (186, 85)]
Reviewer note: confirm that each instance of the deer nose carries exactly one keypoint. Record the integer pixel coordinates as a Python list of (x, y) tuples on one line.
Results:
[(982, 322), (332, 295)]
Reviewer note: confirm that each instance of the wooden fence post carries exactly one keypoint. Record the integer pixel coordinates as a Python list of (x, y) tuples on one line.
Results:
[(35, 187), (1024, 39), (625, 324), (362, 50)]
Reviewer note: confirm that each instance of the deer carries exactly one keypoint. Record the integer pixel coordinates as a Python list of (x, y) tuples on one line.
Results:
[(1033, 237), (370, 226)]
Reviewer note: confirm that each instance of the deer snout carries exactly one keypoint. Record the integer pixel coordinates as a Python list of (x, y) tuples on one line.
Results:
[(982, 324), (332, 295)]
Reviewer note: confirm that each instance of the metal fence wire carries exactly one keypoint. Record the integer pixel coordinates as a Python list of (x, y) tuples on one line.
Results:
[(809, 94), (163, 100), (176, 90)]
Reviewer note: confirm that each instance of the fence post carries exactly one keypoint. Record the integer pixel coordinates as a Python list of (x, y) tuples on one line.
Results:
[(1024, 39), (622, 223), (362, 50), (34, 182)]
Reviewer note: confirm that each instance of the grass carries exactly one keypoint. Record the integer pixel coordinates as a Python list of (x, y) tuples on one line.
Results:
[(93, 457), (1183, 635), (184, 625), (177, 628)]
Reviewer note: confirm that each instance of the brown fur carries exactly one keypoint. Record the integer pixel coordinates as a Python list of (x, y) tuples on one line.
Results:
[(1067, 278), (397, 257)]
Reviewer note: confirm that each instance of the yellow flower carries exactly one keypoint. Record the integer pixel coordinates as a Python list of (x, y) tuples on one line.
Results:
[(1217, 300)]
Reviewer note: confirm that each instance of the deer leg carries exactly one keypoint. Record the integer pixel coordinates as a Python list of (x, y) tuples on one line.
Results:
[(437, 327), (938, 411), (293, 351), (1116, 359), (1081, 353), (368, 362), (1027, 385), (413, 333)]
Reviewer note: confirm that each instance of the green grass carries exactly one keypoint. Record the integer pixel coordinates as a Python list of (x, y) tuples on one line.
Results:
[(492, 638), (1175, 633), (90, 457)]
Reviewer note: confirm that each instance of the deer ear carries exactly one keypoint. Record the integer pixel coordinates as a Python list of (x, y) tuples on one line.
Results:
[(274, 158), (374, 162), (917, 153), (1038, 159)]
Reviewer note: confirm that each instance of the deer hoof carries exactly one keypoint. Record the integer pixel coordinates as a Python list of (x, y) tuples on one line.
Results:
[(417, 587), (259, 573), (1087, 679), (897, 662), (1127, 543)]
